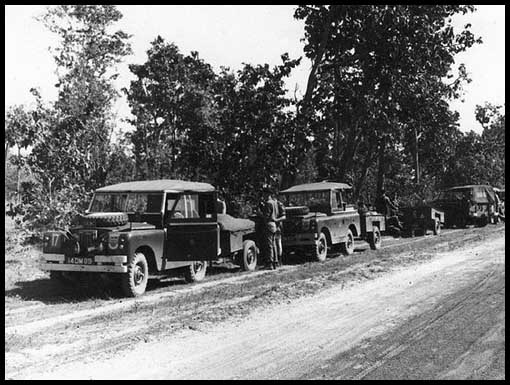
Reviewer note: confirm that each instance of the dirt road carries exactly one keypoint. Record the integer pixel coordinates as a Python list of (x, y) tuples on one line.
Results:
[(440, 318)]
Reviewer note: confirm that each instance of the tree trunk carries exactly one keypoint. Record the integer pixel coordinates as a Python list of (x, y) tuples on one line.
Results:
[(303, 113), (364, 171), (18, 182), (345, 164), (382, 168), (417, 164)]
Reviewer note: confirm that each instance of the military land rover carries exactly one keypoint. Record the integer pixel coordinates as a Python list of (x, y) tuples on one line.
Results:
[(321, 215), (465, 205), (136, 229)]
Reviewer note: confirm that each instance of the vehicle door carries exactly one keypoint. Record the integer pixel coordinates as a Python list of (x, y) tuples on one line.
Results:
[(191, 227)]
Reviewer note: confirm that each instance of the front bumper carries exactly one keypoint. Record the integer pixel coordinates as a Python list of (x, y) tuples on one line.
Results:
[(102, 264)]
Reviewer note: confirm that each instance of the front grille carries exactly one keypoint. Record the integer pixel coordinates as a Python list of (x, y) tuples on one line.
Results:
[(87, 239)]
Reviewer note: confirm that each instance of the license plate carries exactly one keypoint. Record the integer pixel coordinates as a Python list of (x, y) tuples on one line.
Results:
[(81, 261)]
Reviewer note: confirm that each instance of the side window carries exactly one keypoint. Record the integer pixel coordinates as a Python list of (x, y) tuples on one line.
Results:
[(338, 195), (180, 208), (206, 206)]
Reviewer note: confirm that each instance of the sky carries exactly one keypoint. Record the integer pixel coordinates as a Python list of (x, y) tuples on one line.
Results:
[(230, 35)]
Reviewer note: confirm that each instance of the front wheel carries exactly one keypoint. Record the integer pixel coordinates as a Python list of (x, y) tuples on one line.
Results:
[(374, 239), (195, 272), (134, 282), (462, 222), (249, 261), (321, 248), (348, 245)]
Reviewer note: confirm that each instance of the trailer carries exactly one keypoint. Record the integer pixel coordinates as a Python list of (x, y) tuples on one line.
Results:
[(417, 220)]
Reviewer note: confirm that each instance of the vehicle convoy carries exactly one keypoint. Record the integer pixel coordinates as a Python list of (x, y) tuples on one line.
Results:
[(136, 229), (465, 205), (320, 216)]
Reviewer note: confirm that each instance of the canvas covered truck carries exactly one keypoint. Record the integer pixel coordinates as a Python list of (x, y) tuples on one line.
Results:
[(321, 215), (136, 229)]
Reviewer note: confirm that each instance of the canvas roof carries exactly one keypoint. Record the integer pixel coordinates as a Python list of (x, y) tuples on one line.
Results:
[(319, 186), (469, 186), (160, 185)]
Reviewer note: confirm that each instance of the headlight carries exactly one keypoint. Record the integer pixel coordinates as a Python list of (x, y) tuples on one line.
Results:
[(122, 241), (305, 225), (313, 225)]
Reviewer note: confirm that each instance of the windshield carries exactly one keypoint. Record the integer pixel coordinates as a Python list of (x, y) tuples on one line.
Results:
[(308, 198), (126, 202), (454, 195)]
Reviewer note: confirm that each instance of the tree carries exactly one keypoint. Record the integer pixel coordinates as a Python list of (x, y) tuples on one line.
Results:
[(169, 99), (378, 79), (19, 133), (232, 129), (257, 126), (71, 148)]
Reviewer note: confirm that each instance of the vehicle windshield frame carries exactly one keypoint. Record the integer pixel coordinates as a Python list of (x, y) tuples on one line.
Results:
[(128, 194), (326, 195), (448, 195)]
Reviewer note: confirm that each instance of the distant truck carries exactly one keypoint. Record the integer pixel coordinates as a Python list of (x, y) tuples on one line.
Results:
[(136, 229), (321, 215), (467, 205)]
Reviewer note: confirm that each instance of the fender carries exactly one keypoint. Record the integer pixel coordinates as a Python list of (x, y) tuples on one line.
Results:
[(152, 238)]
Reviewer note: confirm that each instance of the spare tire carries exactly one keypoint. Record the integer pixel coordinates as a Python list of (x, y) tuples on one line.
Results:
[(106, 219), (297, 210)]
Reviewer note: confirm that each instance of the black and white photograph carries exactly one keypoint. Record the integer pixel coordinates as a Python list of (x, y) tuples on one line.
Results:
[(254, 192)]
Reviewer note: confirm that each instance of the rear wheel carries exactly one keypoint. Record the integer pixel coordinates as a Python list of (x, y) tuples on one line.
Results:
[(348, 245), (482, 222), (321, 248), (249, 259), (437, 227), (374, 239), (195, 272), (135, 280)]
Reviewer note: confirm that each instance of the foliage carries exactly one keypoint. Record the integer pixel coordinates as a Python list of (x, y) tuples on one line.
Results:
[(231, 129), (169, 98), (479, 159), (378, 79), (70, 138)]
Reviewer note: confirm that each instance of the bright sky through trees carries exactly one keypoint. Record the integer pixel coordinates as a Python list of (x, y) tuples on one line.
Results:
[(229, 35)]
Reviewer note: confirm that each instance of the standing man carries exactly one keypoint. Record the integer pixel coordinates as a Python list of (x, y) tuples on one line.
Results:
[(267, 212), (280, 217), (221, 207), (384, 204)]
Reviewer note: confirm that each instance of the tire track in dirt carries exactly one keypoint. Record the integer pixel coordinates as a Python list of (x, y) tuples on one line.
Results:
[(34, 326), (87, 348), (275, 340), (420, 330)]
